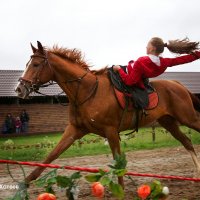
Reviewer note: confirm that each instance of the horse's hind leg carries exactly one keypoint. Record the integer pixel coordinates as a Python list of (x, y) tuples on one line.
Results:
[(170, 124), (192, 121)]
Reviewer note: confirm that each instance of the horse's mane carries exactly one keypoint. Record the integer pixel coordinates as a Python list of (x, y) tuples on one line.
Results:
[(75, 56)]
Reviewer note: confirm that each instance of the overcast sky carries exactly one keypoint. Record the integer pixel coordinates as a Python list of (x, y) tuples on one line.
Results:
[(106, 31)]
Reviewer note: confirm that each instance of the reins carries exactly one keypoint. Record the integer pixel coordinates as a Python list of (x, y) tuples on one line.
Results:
[(91, 93), (55, 96)]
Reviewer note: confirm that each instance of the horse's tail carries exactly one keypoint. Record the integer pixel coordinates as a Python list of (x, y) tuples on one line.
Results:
[(194, 98)]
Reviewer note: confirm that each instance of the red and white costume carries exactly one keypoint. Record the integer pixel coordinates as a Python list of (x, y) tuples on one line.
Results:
[(151, 66)]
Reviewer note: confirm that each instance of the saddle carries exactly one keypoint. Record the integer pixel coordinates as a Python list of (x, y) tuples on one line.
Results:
[(131, 98)]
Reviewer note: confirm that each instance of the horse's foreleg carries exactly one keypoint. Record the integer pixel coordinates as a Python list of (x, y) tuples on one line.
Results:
[(70, 135), (171, 125), (113, 140)]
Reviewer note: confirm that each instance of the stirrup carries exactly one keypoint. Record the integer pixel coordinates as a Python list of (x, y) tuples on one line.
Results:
[(144, 112)]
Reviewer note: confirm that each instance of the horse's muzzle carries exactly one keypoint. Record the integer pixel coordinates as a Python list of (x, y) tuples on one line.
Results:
[(23, 90)]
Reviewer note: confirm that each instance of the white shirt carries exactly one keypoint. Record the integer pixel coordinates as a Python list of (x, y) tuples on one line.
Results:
[(155, 59)]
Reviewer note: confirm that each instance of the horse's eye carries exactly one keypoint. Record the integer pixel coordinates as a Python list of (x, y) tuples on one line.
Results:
[(35, 65)]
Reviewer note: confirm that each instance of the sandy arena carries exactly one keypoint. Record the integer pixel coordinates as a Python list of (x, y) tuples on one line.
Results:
[(165, 161)]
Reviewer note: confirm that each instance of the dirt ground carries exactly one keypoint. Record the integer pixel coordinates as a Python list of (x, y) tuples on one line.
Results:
[(165, 161)]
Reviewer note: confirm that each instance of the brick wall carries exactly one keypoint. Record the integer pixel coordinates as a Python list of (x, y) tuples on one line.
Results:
[(43, 117)]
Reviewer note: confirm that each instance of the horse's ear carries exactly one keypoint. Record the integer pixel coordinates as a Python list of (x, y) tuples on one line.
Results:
[(33, 48), (40, 47)]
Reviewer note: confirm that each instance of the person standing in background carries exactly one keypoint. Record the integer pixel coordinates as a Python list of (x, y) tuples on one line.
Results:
[(18, 125), (9, 123), (24, 117)]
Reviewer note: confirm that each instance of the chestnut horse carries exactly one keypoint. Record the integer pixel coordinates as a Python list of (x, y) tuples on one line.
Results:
[(94, 107)]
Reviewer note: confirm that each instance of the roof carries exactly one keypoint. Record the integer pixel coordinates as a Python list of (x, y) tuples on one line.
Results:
[(189, 79), (9, 80)]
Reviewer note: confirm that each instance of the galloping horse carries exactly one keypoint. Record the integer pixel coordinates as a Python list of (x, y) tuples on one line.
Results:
[(94, 107)]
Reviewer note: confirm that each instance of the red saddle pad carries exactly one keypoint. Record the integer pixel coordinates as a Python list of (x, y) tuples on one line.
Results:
[(153, 100)]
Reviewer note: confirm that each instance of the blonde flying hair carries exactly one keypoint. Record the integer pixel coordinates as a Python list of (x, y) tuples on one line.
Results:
[(184, 46)]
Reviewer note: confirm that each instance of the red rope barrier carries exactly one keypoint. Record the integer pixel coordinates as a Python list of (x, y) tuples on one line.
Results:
[(93, 170)]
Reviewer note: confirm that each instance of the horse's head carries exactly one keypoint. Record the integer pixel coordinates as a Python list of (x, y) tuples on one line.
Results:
[(38, 71)]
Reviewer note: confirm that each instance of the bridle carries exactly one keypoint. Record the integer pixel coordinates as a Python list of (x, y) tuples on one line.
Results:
[(35, 84), (78, 80)]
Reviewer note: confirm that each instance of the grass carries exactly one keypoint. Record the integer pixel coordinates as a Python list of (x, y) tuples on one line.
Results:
[(32, 139), (142, 140)]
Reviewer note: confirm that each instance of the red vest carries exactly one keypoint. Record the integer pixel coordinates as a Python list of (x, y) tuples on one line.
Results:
[(145, 68)]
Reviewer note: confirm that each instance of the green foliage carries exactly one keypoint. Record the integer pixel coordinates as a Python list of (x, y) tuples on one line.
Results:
[(9, 143), (108, 178), (46, 142), (22, 192), (116, 190), (93, 177), (105, 180), (156, 189), (47, 181), (68, 183), (119, 161), (18, 196)]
